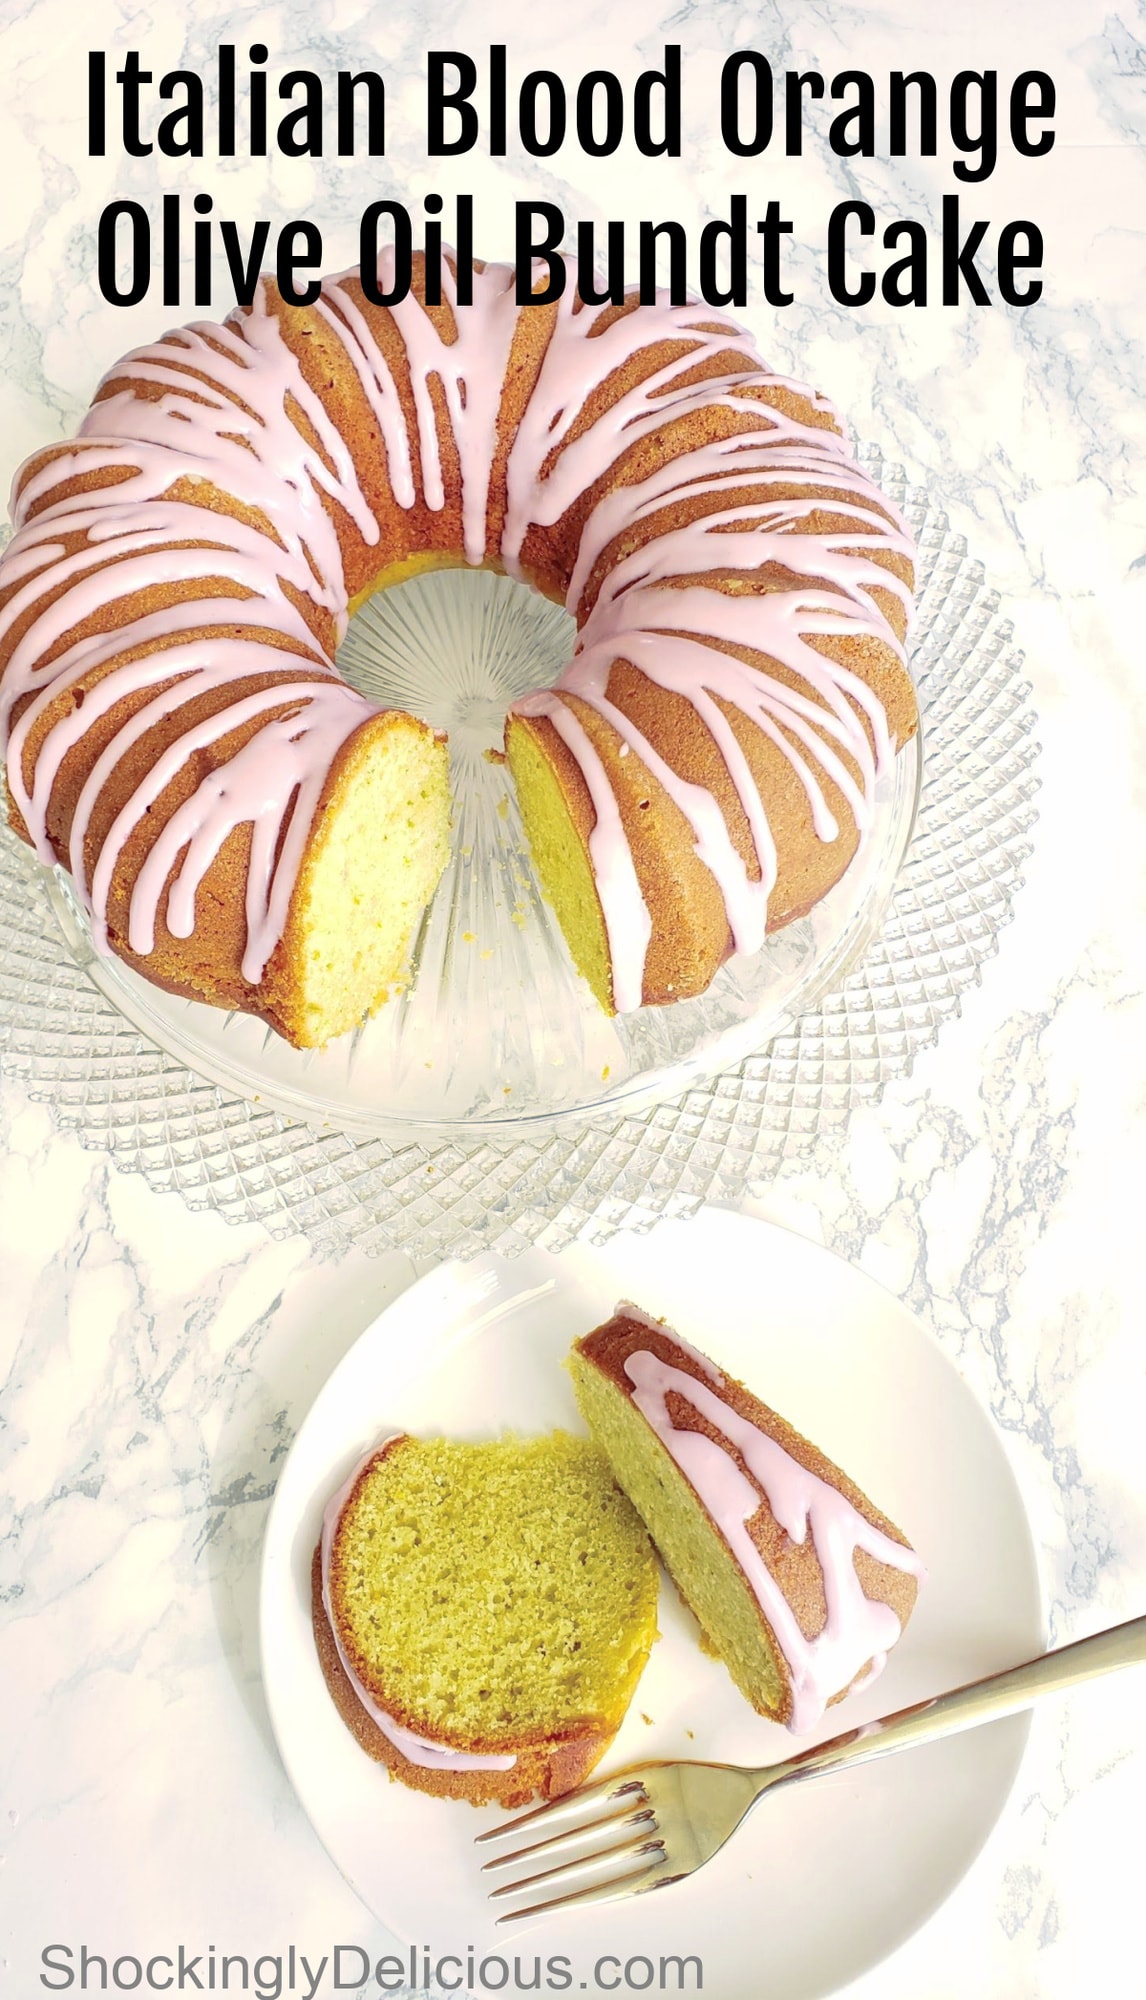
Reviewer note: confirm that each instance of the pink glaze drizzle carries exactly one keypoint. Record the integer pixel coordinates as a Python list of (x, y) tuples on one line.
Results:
[(858, 1633), (420, 1750), (625, 1309), (667, 634), (225, 418)]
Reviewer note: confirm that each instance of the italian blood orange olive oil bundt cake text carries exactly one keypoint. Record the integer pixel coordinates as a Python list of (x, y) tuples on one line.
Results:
[(483, 1612), (248, 830), (798, 1582)]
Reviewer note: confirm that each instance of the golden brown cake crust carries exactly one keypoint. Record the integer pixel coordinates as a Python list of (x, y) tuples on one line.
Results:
[(795, 1566), (691, 934)]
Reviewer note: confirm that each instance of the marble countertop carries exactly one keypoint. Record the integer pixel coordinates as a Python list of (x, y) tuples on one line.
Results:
[(156, 1363)]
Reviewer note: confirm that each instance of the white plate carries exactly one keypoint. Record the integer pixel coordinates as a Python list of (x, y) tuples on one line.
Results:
[(821, 1882)]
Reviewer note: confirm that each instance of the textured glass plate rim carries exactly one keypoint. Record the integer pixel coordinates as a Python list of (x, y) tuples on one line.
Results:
[(778, 1111), (130, 994), (133, 999)]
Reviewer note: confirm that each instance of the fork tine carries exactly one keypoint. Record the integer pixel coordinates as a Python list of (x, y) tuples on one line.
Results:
[(597, 1858), (638, 1883), (595, 1831), (568, 1811)]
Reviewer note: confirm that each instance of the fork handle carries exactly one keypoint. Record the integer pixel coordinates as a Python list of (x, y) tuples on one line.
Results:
[(965, 1707)]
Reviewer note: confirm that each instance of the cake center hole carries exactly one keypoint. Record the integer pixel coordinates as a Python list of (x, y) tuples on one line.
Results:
[(456, 647)]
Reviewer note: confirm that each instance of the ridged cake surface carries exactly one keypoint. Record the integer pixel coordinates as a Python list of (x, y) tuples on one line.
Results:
[(247, 829)]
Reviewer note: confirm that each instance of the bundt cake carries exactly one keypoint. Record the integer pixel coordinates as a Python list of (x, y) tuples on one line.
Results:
[(799, 1584), (246, 829), (483, 1612)]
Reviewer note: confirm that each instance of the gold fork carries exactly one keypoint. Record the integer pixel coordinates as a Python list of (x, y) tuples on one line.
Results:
[(656, 1823)]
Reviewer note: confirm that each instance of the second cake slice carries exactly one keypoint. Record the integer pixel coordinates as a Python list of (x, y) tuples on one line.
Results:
[(799, 1583)]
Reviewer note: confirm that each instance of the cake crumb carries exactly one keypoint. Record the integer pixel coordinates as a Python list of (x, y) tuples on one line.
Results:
[(493, 756), (487, 954), (646, 1718), (468, 937), (691, 1734), (606, 1073), (503, 806)]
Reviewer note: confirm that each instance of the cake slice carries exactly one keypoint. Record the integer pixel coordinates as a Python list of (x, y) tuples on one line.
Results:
[(800, 1585), (483, 1612), (374, 856)]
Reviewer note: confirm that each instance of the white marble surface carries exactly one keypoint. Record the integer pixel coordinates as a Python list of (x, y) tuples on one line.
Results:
[(155, 1363)]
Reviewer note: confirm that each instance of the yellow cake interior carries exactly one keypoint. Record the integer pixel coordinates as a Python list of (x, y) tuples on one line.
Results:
[(489, 1593), (560, 857), (373, 863), (696, 1556)]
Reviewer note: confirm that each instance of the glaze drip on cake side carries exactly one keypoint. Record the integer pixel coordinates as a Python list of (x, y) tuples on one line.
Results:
[(235, 415), (223, 418), (858, 1631)]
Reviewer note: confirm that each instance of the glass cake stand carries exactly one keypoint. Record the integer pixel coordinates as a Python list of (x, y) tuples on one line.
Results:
[(493, 1031), (491, 1100)]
